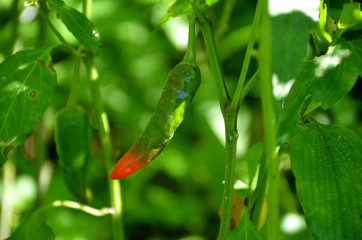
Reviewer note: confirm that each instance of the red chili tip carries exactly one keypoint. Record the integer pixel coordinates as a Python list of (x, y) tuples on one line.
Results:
[(128, 164)]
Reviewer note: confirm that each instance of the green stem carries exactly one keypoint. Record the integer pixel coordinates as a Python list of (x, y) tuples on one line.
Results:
[(104, 132), (209, 40), (268, 108), (43, 14), (236, 99), (225, 17), (103, 125), (15, 27), (190, 57), (72, 99), (231, 137)]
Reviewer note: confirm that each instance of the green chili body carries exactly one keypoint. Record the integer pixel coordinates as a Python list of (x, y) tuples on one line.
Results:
[(183, 82), (72, 137)]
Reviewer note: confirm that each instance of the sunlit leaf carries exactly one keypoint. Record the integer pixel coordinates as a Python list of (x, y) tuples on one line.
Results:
[(351, 15), (326, 163), (245, 230), (325, 79), (79, 25), (27, 82), (33, 227)]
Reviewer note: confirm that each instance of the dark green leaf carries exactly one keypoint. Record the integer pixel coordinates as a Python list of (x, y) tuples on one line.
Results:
[(79, 25), (326, 79), (357, 44), (179, 7), (326, 162), (33, 226), (27, 82), (245, 230)]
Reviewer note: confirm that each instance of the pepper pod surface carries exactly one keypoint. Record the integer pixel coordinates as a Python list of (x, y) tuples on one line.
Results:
[(72, 137), (183, 82)]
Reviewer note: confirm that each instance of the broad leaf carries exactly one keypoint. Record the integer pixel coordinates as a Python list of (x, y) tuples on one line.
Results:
[(33, 227), (79, 25), (27, 82), (325, 79), (245, 230), (326, 162)]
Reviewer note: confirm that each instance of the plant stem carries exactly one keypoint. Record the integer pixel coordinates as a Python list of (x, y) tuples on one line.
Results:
[(43, 13), (236, 99), (231, 138), (15, 27), (103, 128), (268, 108), (72, 99), (224, 97), (104, 132), (225, 17)]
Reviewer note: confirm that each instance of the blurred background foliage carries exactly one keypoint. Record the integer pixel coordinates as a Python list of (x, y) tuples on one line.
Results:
[(177, 196)]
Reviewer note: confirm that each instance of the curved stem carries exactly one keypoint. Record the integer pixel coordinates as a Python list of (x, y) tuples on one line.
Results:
[(209, 40), (190, 56), (72, 99), (236, 99)]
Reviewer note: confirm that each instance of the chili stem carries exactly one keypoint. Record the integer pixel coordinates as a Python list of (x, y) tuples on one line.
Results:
[(190, 56), (72, 99), (268, 108)]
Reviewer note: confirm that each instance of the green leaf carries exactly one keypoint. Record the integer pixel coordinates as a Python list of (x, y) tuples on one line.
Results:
[(27, 82), (33, 226), (72, 137), (324, 80), (351, 15), (179, 7), (326, 162), (245, 230), (290, 36), (79, 25)]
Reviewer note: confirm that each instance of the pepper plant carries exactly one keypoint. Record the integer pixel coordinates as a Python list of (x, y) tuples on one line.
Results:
[(297, 64)]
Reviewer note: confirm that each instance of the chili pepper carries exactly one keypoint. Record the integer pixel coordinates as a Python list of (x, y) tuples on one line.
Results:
[(72, 137), (182, 84)]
